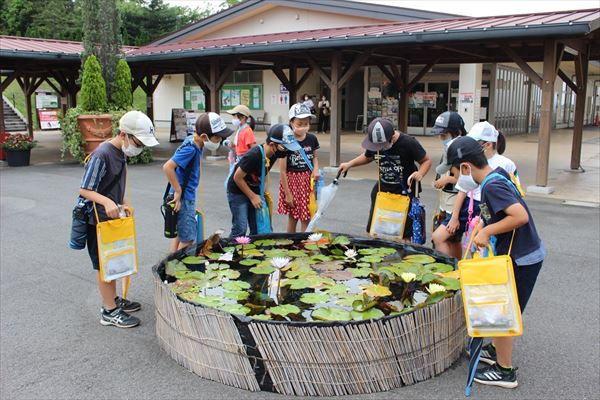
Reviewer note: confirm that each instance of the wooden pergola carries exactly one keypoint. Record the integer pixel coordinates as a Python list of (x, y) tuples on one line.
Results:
[(337, 54)]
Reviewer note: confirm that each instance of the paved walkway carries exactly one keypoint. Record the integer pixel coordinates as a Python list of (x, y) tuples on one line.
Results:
[(522, 149)]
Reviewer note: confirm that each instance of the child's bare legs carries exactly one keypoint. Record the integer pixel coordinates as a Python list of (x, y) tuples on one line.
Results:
[(304, 225), (291, 226), (441, 239), (504, 346), (108, 291)]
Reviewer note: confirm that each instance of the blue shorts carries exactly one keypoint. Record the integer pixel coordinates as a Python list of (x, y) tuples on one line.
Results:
[(186, 221)]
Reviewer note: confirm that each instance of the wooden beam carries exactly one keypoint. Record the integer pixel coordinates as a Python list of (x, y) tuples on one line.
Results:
[(560, 49), (199, 81), (293, 89), (281, 76), (581, 69), (549, 76), (231, 66), (454, 50), (533, 76), (201, 75), (356, 64), (9, 79), (305, 76), (567, 80), (319, 70), (394, 79), (335, 135), (420, 75), (403, 101), (213, 101), (53, 86), (575, 44), (155, 83)]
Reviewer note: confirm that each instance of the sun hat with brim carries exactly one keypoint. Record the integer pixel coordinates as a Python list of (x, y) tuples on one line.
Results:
[(484, 131), (449, 121), (212, 124), (379, 134), (138, 124), (463, 149), (282, 134), (240, 109), (300, 110)]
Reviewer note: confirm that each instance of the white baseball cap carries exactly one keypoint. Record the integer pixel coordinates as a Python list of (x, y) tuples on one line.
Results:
[(484, 131), (138, 124), (300, 110)]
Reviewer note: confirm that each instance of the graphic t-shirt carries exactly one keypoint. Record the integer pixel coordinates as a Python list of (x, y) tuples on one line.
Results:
[(295, 160), (182, 157), (398, 162), (244, 140), (251, 164)]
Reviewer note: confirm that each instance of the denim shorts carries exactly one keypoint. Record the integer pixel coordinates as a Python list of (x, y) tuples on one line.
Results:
[(186, 221)]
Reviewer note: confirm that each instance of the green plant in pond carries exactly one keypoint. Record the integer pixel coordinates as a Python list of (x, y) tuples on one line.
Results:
[(262, 270), (284, 310), (331, 314), (314, 298), (372, 313), (236, 285), (237, 295)]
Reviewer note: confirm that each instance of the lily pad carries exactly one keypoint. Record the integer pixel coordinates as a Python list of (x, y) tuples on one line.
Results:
[(216, 266), (262, 270), (341, 275), (420, 259), (435, 297), (347, 299), (377, 290), (363, 265), (284, 310), (296, 253), (192, 275), (229, 274), (248, 262), (297, 284), (273, 253), (193, 260), (214, 256), (329, 265), (371, 313), (208, 301), (337, 289), (265, 243), (237, 295), (331, 314), (262, 317), (283, 242), (311, 246), (235, 309), (236, 285), (450, 283), (428, 277), (300, 272), (253, 253), (175, 266), (371, 259), (439, 267), (314, 298), (341, 240)]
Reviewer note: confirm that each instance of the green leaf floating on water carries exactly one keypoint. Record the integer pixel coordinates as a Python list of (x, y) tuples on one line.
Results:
[(262, 270), (311, 246), (214, 256), (284, 242), (249, 262), (237, 295), (192, 275), (419, 259), (337, 289), (314, 298), (377, 290), (193, 260), (262, 317), (428, 277), (275, 253), (253, 253), (300, 272), (297, 284), (341, 275), (296, 253), (371, 313), (435, 297), (347, 299), (331, 314), (341, 240), (439, 267), (284, 310), (236, 285), (217, 266), (208, 301), (363, 265), (265, 243), (450, 283), (235, 309), (175, 266)]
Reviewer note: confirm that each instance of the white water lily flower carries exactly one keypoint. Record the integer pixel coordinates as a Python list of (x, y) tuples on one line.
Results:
[(280, 262), (408, 276), (350, 253), (315, 237), (435, 288), (226, 257)]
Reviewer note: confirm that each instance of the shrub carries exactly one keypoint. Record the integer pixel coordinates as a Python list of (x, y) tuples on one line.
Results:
[(93, 87), (122, 97)]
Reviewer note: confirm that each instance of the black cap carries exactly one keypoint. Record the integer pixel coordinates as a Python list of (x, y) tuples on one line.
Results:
[(379, 134), (282, 134), (449, 120), (463, 149)]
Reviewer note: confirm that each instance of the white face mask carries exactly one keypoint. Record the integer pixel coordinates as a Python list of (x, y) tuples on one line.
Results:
[(466, 182), (212, 146), (235, 122), (131, 150)]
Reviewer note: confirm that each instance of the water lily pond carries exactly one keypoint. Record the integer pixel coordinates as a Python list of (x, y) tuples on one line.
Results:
[(318, 277)]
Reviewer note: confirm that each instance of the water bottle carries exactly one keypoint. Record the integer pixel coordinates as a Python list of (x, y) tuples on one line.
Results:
[(79, 225), (319, 184)]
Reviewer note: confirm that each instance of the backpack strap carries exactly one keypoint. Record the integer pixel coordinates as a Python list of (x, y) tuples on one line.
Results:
[(262, 172), (186, 177)]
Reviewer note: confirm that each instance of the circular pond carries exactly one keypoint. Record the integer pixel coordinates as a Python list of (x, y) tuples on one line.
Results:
[(319, 315)]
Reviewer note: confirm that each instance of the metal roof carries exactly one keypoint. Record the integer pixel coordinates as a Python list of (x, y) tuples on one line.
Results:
[(548, 24)]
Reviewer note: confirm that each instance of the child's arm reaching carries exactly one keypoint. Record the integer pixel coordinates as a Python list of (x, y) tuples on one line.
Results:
[(516, 216)]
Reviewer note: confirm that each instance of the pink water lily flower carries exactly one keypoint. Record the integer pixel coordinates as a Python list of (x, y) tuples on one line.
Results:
[(243, 240)]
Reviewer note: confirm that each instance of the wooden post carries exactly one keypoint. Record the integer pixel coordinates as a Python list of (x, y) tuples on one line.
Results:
[(335, 139), (213, 103), (293, 87), (149, 99), (581, 73), (549, 75), (403, 101), (2, 127), (491, 97), (528, 112)]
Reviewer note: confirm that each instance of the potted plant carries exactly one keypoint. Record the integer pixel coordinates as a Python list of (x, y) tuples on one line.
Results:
[(18, 149), (3, 137)]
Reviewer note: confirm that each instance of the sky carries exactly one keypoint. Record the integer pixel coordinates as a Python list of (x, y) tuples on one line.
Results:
[(474, 8)]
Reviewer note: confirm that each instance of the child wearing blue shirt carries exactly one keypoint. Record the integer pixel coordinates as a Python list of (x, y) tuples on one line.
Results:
[(506, 216), (210, 131)]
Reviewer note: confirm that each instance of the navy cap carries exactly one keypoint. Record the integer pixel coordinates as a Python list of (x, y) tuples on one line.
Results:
[(449, 120), (463, 149), (282, 134), (379, 134)]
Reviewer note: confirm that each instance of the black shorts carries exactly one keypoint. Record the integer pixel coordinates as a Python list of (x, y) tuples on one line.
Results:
[(92, 246), (525, 277)]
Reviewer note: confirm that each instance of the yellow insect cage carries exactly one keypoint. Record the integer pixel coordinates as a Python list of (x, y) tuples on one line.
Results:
[(117, 249), (489, 295), (389, 215)]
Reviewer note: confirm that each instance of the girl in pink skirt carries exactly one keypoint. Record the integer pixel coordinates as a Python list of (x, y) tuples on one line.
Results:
[(296, 172)]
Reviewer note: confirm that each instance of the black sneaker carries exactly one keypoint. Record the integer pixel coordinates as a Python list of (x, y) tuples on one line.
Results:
[(126, 305), (495, 376), (488, 354), (118, 318)]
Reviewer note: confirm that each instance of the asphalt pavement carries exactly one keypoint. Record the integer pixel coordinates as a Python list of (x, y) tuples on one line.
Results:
[(53, 347)]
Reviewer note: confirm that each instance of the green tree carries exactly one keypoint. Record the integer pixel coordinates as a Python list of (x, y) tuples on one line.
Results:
[(93, 87), (122, 98)]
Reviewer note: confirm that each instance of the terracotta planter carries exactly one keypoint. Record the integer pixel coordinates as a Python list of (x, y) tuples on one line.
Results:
[(18, 158), (95, 130)]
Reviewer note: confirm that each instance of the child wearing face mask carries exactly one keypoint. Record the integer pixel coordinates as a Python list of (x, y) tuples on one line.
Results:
[(243, 139), (504, 215), (103, 183), (297, 169), (210, 131), (243, 187)]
